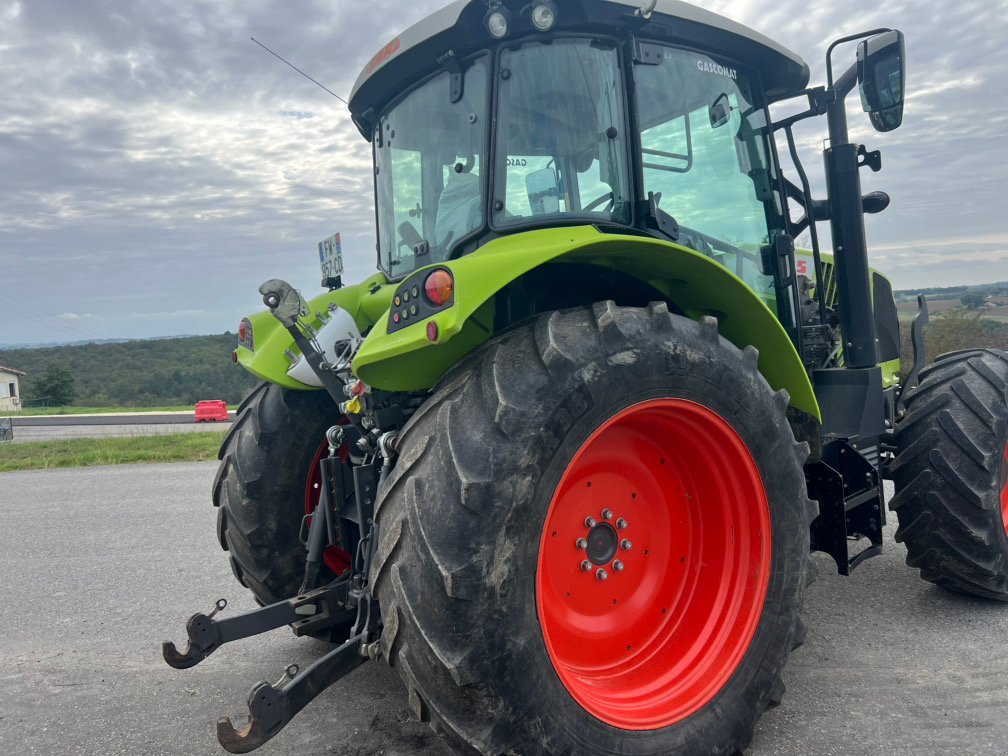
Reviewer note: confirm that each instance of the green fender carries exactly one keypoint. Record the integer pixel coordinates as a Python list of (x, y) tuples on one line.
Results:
[(367, 302), (407, 361)]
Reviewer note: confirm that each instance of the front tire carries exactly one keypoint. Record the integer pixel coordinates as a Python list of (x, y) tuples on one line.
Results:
[(505, 641), (951, 474)]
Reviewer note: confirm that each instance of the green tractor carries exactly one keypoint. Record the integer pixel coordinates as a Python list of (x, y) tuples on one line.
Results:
[(562, 461)]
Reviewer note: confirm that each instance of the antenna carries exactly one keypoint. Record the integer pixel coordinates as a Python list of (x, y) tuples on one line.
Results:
[(323, 86)]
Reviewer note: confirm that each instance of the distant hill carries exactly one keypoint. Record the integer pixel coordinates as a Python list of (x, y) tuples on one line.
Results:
[(949, 292), (141, 373), (82, 342)]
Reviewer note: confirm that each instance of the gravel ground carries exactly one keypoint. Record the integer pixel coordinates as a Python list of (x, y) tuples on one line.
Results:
[(891, 665)]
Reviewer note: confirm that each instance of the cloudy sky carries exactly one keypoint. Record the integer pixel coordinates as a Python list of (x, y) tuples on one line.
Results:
[(156, 165)]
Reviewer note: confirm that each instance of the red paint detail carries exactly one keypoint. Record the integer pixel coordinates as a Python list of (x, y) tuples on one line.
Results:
[(432, 331), (335, 558), (1004, 490), (383, 55), (211, 410), (438, 287), (802, 267), (654, 643)]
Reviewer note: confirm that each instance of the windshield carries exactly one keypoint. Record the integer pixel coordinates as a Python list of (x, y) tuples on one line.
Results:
[(706, 155), (561, 141), (429, 156)]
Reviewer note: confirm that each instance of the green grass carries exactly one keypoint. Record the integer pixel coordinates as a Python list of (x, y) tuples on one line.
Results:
[(30, 411), (89, 452)]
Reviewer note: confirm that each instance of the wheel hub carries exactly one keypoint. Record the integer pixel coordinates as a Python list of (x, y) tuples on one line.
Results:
[(603, 543)]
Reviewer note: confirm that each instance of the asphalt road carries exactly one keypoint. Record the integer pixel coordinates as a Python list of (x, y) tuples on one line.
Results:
[(51, 427), (102, 564), (119, 418)]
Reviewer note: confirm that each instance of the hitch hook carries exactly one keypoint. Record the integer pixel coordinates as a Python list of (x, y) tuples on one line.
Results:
[(271, 707), (204, 639)]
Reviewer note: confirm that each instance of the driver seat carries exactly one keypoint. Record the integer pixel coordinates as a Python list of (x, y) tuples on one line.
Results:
[(459, 209)]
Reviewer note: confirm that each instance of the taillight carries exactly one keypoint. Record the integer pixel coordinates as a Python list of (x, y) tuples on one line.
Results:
[(245, 334), (439, 287)]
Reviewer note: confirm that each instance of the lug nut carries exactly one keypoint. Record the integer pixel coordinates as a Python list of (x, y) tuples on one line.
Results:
[(586, 566), (617, 565), (582, 544), (621, 523), (590, 522), (602, 575), (626, 545), (607, 514)]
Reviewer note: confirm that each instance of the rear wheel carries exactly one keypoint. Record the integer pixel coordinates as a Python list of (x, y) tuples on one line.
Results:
[(951, 474), (595, 540)]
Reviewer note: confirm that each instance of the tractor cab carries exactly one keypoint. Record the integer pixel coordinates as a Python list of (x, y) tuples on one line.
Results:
[(488, 120)]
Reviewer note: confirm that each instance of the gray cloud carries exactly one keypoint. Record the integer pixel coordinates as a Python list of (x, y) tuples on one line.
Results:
[(156, 165)]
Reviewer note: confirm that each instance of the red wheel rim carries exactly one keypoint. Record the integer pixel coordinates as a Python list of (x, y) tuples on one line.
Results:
[(652, 639), (335, 558), (1004, 490)]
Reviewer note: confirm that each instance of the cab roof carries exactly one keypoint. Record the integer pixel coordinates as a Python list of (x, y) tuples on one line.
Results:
[(459, 28)]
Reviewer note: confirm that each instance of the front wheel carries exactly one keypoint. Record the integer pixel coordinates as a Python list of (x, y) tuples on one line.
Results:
[(596, 540), (951, 474)]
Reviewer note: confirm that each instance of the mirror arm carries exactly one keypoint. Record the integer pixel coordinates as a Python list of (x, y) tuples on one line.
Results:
[(836, 113), (844, 40)]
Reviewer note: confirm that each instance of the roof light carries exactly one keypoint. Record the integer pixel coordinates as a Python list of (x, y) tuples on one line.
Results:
[(544, 15), (439, 287), (498, 21)]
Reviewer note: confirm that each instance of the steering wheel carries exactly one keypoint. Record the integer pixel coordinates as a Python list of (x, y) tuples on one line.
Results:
[(595, 203)]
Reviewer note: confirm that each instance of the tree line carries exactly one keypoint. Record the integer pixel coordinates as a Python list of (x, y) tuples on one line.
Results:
[(142, 373)]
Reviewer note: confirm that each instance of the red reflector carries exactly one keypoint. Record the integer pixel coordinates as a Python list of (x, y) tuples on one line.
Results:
[(242, 330), (234, 357), (432, 332), (439, 287)]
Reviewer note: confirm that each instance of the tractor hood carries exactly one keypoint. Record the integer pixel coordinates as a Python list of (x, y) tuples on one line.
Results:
[(459, 28)]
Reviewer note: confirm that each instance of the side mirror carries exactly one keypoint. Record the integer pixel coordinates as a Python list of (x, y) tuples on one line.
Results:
[(543, 189), (882, 72)]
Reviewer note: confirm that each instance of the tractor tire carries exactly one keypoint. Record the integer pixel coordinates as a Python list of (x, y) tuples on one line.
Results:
[(595, 540), (951, 474), (260, 489)]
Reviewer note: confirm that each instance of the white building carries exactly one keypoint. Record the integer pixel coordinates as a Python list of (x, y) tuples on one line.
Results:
[(10, 389)]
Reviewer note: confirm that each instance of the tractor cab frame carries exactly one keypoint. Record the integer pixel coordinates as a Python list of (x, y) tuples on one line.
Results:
[(657, 126)]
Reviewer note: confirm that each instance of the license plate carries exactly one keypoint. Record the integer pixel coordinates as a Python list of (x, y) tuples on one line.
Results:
[(330, 259)]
